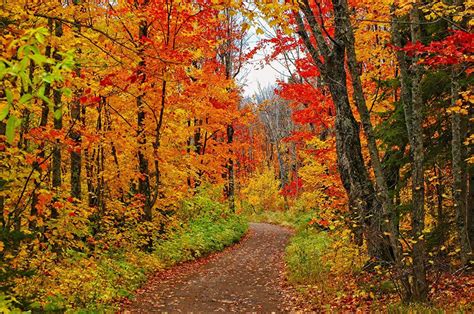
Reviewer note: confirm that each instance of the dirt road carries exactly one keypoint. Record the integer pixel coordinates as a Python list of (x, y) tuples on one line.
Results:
[(244, 278)]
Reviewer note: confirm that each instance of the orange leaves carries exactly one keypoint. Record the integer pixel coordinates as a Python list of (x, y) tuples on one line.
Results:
[(323, 223), (44, 199)]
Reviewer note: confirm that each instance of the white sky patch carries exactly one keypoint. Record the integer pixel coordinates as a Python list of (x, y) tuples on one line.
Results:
[(257, 73), (260, 77)]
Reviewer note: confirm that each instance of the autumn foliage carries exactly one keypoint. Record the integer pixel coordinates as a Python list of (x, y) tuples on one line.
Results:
[(124, 130)]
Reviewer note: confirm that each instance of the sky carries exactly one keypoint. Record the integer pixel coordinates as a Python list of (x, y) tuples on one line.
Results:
[(256, 75), (256, 72)]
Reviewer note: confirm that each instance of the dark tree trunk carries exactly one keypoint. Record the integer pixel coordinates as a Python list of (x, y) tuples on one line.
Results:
[(414, 117), (76, 157), (416, 288), (362, 197), (470, 194), (458, 149), (383, 194), (75, 135), (58, 121), (143, 167), (230, 171)]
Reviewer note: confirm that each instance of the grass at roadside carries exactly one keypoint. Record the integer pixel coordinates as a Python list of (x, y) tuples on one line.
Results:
[(304, 257), (201, 237), (292, 219)]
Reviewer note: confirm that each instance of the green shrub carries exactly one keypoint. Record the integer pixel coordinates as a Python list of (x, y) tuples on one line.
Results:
[(202, 236), (8, 304), (290, 218), (303, 257)]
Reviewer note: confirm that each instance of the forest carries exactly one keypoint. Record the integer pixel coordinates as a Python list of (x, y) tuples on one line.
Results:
[(129, 151)]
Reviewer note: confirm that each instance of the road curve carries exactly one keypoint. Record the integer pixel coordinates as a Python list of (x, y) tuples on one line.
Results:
[(245, 278)]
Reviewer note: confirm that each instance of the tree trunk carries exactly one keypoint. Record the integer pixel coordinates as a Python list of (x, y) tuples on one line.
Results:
[(470, 196), (441, 223), (230, 171), (410, 97), (76, 157), (58, 121), (75, 135), (420, 285), (144, 180), (458, 150), (381, 183), (355, 178)]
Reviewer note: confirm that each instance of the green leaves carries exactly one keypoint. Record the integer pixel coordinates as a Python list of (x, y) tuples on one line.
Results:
[(6, 108), (58, 114), (40, 36), (25, 99), (40, 59), (18, 77), (9, 95), (41, 95), (12, 123), (4, 111)]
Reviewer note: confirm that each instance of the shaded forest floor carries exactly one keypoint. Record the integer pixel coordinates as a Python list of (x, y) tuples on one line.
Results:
[(246, 277)]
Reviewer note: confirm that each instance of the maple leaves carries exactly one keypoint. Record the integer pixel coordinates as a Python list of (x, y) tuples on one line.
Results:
[(112, 114), (95, 100), (455, 49)]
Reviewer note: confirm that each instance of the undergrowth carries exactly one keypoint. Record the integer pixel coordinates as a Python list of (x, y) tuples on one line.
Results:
[(201, 237), (288, 218), (94, 282), (304, 257)]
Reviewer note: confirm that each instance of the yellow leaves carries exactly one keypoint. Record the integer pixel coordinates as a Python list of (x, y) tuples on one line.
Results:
[(197, 54), (245, 27), (438, 9), (462, 104), (458, 110), (263, 191), (259, 31), (408, 260), (2, 246), (403, 7)]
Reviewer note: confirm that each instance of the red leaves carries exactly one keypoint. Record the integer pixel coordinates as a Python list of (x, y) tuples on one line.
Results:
[(323, 223), (299, 136), (454, 49), (306, 68), (41, 135), (280, 43), (43, 200), (312, 106), (217, 104), (88, 100), (58, 205), (293, 188), (107, 80)]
